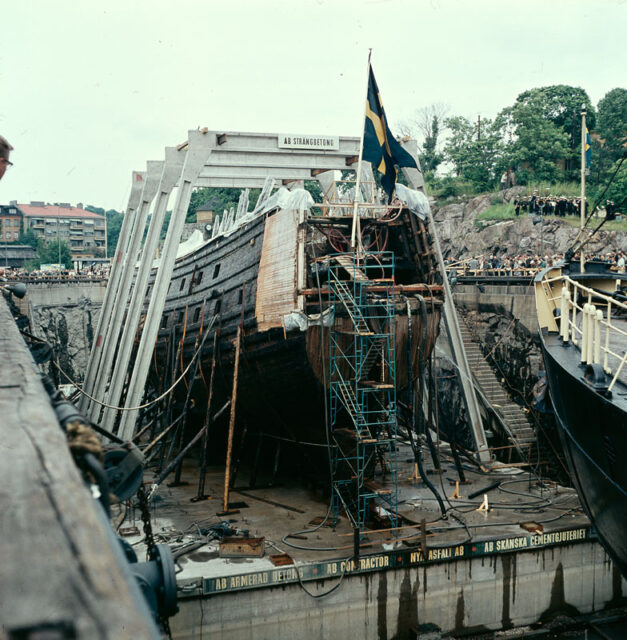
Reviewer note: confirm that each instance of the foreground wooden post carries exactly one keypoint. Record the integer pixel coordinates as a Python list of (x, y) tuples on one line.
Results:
[(204, 449), (229, 446)]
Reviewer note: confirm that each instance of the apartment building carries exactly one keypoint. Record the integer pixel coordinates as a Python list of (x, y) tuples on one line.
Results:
[(84, 231), (10, 222)]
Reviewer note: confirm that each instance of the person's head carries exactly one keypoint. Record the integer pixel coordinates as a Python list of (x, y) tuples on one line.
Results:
[(5, 150)]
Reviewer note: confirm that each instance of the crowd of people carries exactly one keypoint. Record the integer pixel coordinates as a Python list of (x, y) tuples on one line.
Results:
[(524, 264), (561, 206), (87, 273)]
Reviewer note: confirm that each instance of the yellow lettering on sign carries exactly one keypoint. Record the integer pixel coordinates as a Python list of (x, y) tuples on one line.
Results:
[(416, 556)]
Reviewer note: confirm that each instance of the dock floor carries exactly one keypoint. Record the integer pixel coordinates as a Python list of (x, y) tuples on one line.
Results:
[(520, 498)]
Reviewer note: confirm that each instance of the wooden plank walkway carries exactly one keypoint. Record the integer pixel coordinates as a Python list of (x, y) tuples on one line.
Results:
[(58, 568)]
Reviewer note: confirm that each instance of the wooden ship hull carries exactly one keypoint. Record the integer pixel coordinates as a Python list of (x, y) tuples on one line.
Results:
[(584, 362), (269, 277)]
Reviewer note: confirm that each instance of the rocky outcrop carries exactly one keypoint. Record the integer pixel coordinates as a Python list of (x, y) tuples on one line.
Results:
[(462, 236), (69, 329)]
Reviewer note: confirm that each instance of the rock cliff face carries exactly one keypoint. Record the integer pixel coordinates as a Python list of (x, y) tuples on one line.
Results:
[(462, 237), (69, 329)]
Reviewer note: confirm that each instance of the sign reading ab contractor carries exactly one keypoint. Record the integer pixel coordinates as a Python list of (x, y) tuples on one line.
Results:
[(392, 560), (299, 141)]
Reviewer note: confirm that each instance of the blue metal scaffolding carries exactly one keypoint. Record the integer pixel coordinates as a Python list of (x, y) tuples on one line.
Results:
[(362, 387)]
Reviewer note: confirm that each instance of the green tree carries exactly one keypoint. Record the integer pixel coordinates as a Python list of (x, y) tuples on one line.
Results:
[(561, 104), (114, 224), (617, 189), (430, 158), (478, 158), (218, 199), (428, 123), (537, 146), (612, 125), (48, 253), (29, 237), (544, 125)]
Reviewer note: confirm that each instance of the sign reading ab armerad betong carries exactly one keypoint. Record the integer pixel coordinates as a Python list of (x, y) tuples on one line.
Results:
[(298, 141)]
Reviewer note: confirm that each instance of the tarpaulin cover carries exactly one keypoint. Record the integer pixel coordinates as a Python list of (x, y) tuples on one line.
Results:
[(416, 201)]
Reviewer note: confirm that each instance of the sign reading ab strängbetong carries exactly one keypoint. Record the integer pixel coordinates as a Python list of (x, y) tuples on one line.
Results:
[(299, 141)]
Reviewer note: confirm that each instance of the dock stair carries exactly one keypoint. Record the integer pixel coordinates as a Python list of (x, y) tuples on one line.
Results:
[(516, 421)]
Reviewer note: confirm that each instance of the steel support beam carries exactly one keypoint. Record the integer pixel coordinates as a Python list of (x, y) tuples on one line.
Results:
[(170, 175), (199, 147), (112, 331), (104, 318), (416, 181)]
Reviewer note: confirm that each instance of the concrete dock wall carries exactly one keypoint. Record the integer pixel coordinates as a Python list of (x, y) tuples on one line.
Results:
[(493, 592), (65, 315)]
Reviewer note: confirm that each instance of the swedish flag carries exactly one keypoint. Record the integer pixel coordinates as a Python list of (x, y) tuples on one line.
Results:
[(380, 146), (588, 149)]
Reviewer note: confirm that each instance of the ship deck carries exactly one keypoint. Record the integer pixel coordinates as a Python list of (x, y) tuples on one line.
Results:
[(569, 357), (551, 514), (621, 347)]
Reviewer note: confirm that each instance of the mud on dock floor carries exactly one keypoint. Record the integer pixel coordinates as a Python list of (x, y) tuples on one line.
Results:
[(469, 554)]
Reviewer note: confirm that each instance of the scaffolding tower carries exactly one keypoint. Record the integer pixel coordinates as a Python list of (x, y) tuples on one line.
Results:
[(362, 387)]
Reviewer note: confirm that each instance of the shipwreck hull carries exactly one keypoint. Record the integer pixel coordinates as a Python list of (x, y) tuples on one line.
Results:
[(254, 278)]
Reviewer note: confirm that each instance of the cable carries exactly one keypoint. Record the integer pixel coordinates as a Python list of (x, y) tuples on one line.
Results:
[(141, 406), (579, 243), (326, 593)]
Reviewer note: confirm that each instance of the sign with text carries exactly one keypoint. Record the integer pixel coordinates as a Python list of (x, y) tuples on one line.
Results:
[(392, 560), (299, 141)]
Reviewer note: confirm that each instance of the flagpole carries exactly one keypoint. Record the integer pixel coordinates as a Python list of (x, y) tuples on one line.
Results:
[(361, 151), (583, 184)]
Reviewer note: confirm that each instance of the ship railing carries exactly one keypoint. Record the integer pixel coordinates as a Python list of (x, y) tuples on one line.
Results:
[(590, 327), (346, 209), (463, 270)]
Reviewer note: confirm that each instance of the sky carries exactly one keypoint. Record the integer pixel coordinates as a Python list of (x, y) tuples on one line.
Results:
[(91, 90)]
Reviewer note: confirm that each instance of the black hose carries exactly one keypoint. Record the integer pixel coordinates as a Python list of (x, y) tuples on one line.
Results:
[(419, 414)]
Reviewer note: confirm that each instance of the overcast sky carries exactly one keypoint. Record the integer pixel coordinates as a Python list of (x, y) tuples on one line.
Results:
[(91, 90)]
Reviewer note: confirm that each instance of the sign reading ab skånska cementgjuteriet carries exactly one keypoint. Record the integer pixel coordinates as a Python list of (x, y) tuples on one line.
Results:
[(299, 141)]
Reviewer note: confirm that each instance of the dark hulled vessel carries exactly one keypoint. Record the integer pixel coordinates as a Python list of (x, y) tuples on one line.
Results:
[(583, 330)]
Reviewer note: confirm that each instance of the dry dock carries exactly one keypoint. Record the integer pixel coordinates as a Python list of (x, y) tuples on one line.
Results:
[(473, 571)]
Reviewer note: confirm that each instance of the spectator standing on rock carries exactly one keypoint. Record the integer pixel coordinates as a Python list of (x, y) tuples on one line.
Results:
[(532, 202), (5, 150), (517, 206)]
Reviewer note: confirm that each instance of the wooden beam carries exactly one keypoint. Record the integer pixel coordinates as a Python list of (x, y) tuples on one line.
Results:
[(350, 160), (221, 138), (229, 447), (399, 288)]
